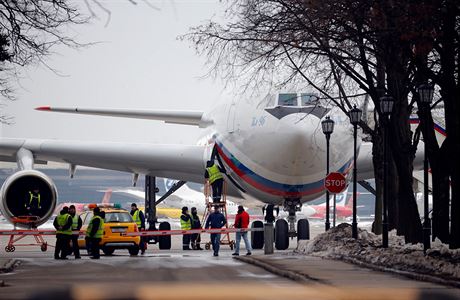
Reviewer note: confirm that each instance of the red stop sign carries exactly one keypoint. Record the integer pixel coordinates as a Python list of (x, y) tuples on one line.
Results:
[(335, 182)]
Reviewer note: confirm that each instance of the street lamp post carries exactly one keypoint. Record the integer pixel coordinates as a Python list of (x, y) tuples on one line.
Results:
[(355, 117), (426, 96), (328, 127), (386, 107)]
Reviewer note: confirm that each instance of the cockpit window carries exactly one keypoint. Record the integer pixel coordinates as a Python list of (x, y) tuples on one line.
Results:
[(287, 99), (307, 99)]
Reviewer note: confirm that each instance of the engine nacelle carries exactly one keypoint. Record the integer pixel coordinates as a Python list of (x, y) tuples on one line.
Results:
[(15, 197)]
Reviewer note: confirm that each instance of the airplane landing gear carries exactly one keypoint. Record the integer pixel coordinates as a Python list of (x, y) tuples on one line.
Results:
[(292, 206)]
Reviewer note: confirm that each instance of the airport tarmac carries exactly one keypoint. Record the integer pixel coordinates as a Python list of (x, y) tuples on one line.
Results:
[(120, 275)]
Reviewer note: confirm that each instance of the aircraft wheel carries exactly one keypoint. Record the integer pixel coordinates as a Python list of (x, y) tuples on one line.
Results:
[(10, 248), (207, 246), (257, 237), (281, 235), (303, 230), (164, 241), (44, 247)]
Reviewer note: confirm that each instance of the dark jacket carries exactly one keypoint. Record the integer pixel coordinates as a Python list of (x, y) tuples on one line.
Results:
[(196, 224), (216, 220)]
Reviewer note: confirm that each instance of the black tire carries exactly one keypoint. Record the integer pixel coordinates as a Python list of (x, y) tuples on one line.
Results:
[(108, 251), (134, 250), (257, 237), (281, 235), (44, 247), (164, 241), (303, 230)]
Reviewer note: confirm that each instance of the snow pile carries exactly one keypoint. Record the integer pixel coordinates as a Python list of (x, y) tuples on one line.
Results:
[(337, 243)]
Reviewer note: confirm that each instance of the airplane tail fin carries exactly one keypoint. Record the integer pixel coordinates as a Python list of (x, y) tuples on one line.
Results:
[(107, 196)]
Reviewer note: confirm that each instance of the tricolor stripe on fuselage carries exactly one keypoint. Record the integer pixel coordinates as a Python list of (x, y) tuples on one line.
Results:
[(437, 127), (269, 186)]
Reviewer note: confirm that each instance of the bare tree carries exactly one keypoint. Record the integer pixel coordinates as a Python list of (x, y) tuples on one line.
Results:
[(340, 48), (30, 30)]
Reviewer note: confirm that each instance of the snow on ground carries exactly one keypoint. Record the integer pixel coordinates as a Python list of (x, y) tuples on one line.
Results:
[(337, 243)]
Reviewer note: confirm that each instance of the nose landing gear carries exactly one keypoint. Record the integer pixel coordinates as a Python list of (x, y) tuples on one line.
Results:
[(287, 229), (284, 229)]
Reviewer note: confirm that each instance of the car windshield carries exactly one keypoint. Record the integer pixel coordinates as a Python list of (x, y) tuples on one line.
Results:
[(118, 217)]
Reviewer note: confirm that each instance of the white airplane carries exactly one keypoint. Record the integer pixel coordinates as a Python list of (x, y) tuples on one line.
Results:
[(273, 150), (184, 196)]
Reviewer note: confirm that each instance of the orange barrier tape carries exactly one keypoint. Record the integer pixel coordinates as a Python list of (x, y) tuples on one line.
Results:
[(192, 231), (34, 232), (139, 233)]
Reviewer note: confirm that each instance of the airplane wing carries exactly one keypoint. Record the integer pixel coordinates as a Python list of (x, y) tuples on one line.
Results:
[(195, 118), (180, 162)]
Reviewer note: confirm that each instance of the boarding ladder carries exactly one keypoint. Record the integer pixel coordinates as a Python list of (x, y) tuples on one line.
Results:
[(209, 208)]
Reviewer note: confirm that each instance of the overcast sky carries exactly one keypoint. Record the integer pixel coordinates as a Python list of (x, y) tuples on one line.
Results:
[(140, 64)]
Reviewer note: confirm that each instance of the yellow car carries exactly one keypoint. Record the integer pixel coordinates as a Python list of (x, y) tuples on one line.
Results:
[(117, 221)]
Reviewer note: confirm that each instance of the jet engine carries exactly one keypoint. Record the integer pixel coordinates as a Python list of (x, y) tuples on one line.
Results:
[(16, 202)]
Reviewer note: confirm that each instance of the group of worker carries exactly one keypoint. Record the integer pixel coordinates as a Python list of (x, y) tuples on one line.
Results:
[(216, 220), (188, 222), (68, 224)]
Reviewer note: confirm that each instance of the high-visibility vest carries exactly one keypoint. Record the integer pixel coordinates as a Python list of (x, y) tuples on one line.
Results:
[(32, 197), (137, 219), (75, 222), (214, 173), (100, 230), (185, 225), (62, 221)]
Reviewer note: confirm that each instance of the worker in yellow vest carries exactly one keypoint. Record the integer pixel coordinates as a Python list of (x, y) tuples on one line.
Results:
[(94, 232), (185, 224), (63, 225), (139, 218), (33, 202), (76, 226), (214, 175)]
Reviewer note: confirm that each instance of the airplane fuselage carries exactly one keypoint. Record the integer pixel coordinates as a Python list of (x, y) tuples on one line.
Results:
[(273, 159)]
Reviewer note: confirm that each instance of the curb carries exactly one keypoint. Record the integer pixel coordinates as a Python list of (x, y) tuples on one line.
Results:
[(293, 275), (411, 275), (9, 265)]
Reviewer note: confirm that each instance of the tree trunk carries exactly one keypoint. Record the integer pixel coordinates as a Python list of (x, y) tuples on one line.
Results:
[(441, 205), (393, 205), (377, 160), (409, 223), (450, 95)]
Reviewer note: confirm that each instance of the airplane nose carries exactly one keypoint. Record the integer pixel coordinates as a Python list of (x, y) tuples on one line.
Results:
[(297, 152)]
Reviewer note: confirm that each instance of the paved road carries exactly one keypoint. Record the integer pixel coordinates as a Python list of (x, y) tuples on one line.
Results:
[(38, 271)]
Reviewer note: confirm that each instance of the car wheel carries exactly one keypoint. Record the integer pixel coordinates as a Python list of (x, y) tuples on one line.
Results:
[(108, 251), (134, 250)]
